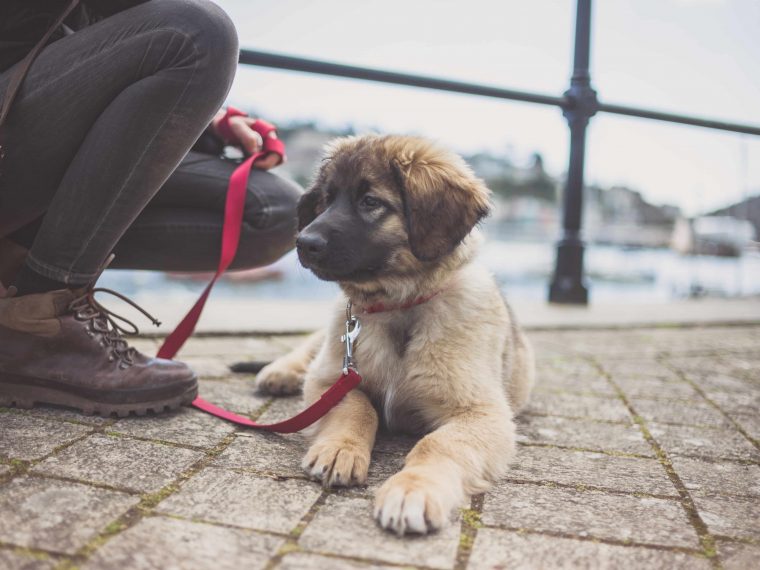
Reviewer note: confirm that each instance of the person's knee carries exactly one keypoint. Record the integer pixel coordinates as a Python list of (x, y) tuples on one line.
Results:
[(215, 32), (273, 201), (212, 34), (269, 221)]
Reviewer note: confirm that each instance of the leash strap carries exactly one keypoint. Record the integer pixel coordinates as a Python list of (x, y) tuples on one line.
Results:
[(331, 398), (233, 219)]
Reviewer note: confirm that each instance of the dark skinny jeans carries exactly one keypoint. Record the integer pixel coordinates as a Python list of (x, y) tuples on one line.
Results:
[(98, 147)]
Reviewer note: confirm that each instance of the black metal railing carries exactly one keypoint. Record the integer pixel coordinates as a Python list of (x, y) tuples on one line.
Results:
[(579, 103)]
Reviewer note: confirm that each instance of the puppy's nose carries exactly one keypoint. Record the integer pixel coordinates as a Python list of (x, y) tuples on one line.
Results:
[(311, 245)]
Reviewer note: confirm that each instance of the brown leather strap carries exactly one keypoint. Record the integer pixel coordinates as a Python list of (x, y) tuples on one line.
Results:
[(20, 73)]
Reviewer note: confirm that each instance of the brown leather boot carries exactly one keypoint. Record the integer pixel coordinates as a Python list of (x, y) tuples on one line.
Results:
[(64, 348)]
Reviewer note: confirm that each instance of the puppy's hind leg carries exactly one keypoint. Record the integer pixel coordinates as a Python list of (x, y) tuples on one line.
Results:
[(285, 375), (522, 373)]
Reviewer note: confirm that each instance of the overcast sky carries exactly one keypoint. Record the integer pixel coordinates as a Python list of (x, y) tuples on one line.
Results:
[(697, 57)]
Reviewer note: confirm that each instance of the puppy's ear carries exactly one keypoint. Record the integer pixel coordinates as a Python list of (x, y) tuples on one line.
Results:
[(443, 200), (307, 206)]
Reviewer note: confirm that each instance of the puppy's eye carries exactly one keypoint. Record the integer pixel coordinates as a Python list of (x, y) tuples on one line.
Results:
[(369, 202)]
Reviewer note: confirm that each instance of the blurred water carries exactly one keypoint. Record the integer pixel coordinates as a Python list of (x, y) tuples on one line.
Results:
[(521, 268)]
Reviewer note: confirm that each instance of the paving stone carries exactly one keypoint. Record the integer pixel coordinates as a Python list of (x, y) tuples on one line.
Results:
[(573, 405), (497, 549), (548, 350), (308, 561), (716, 443), (209, 367), (158, 542), (120, 462), (749, 423), (554, 355), (584, 434), (268, 453), (700, 363), (14, 561), (589, 514), (69, 415), (234, 348), (186, 426), (619, 345), (679, 412), (236, 395), (565, 365), (57, 515), (738, 556), (641, 369), (397, 444), (282, 409), (581, 468), (737, 402), (717, 478), (243, 499), (28, 437), (748, 366), (730, 516), (646, 387), (711, 382), (555, 382), (381, 468), (256, 484), (327, 533)]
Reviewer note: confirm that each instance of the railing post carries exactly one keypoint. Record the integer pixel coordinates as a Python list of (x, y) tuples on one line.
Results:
[(568, 283)]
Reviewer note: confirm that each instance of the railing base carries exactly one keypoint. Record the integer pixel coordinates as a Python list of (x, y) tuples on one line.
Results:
[(568, 285)]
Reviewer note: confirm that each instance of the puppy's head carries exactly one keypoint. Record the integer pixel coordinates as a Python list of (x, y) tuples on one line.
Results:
[(385, 206)]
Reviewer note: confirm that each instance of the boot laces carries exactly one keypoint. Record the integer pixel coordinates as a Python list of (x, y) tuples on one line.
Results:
[(108, 324)]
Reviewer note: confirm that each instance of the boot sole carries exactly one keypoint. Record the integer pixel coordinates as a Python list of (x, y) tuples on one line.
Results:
[(25, 396)]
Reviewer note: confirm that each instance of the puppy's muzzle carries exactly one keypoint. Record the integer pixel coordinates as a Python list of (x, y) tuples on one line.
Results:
[(311, 247)]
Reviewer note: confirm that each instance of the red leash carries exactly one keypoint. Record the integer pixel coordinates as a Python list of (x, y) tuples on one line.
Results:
[(347, 382), (233, 219)]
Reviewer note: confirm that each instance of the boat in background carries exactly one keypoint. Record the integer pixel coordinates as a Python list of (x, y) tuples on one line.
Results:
[(723, 236)]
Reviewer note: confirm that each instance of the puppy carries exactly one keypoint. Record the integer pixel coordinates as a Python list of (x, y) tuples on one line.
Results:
[(392, 220)]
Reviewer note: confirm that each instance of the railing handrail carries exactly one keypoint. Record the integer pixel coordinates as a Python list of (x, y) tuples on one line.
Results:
[(321, 67)]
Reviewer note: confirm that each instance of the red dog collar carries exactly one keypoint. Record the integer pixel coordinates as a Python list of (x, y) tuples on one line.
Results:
[(382, 307)]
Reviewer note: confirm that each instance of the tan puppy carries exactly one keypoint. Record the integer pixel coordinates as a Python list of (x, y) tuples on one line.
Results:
[(392, 219)]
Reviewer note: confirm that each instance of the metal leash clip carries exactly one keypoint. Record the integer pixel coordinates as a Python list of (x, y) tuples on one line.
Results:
[(353, 326)]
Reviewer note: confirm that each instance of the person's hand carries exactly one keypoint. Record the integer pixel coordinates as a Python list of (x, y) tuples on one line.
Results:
[(250, 140)]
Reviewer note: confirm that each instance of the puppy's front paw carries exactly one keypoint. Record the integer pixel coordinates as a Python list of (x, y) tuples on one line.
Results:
[(416, 501), (279, 379), (337, 464)]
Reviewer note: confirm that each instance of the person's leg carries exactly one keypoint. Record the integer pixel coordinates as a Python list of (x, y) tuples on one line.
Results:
[(181, 229), (104, 117)]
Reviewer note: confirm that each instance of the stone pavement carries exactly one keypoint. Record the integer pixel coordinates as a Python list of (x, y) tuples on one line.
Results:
[(640, 449)]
